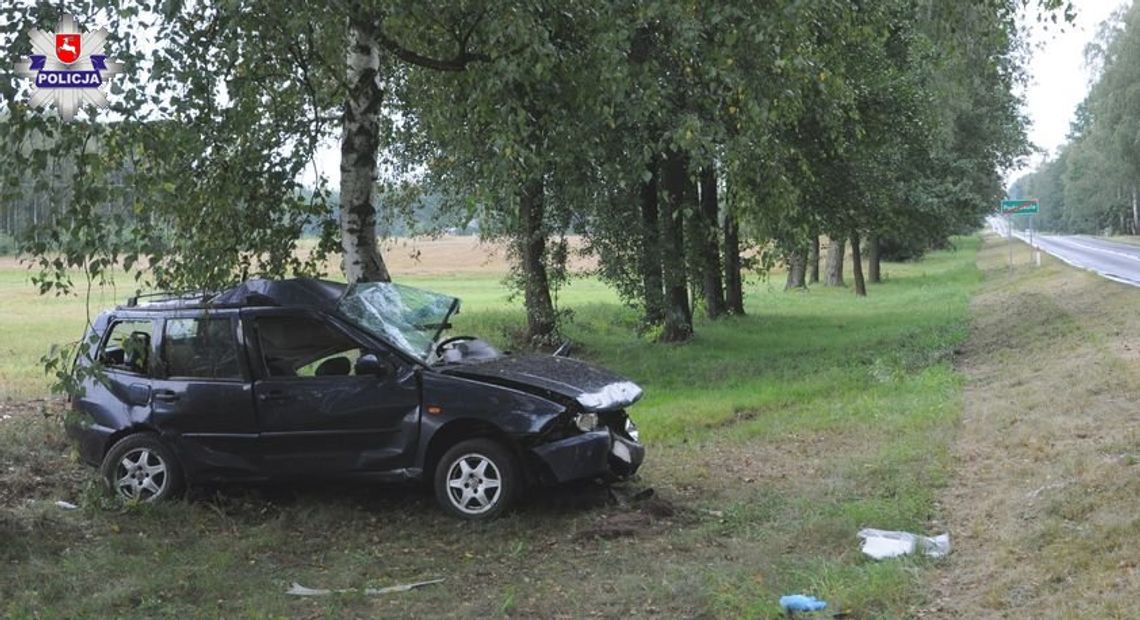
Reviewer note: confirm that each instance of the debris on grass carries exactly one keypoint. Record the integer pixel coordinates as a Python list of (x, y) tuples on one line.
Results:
[(641, 512), (795, 603), (66, 505), (883, 544), (620, 525), (300, 590), (623, 497)]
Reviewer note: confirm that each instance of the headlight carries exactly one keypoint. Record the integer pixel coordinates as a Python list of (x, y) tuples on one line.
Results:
[(631, 430), (586, 422)]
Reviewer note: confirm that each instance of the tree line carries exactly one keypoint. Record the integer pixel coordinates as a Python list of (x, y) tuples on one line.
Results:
[(1090, 185), (688, 142)]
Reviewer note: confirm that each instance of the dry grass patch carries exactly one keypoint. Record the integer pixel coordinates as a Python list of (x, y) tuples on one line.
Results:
[(1043, 500)]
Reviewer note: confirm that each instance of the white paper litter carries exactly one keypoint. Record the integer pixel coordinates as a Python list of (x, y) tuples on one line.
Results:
[(66, 505), (300, 590), (883, 544)]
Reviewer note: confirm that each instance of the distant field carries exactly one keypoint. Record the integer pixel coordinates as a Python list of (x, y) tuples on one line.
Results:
[(459, 266), (460, 255)]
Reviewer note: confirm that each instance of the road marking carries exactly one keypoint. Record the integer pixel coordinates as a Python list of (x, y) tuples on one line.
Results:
[(1093, 248), (1053, 240)]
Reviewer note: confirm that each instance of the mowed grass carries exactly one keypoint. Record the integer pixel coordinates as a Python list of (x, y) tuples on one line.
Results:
[(1045, 486), (772, 439)]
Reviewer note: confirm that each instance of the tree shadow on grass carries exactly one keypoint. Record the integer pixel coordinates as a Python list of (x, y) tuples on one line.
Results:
[(266, 499)]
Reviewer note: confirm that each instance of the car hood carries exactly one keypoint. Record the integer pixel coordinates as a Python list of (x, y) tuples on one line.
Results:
[(594, 388)]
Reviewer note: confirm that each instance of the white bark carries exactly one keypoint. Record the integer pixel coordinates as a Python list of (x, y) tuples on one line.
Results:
[(360, 142)]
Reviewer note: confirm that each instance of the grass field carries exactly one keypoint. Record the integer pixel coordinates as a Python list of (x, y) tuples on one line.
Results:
[(773, 438)]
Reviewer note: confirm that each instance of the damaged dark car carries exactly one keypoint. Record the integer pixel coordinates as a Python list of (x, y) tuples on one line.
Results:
[(306, 377)]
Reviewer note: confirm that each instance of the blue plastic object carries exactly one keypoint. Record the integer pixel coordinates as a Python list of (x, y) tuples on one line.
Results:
[(801, 602)]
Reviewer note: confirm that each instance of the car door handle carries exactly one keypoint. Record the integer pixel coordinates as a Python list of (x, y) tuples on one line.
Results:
[(166, 396), (274, 395)]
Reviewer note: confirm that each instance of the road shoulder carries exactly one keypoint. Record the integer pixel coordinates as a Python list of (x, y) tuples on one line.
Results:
[(1042, 502)]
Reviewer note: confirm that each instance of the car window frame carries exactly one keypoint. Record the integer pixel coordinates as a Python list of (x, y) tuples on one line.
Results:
[(243, 366), (256, 354), (115, 320)]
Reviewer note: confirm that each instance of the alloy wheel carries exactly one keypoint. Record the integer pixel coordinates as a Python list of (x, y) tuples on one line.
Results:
[(141, 475), (474, 484)]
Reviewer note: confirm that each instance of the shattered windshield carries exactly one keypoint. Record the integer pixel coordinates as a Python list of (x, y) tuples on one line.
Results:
[(409, 318)]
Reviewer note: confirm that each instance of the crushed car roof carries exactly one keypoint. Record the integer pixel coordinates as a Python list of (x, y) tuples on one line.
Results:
[(311, 292), (293, 292)]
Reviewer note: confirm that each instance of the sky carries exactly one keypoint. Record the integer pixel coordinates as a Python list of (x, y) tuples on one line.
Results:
[(1058, 77)]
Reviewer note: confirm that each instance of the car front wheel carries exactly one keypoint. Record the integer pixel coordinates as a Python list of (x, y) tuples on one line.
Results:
[(476, 479), (139, 468)]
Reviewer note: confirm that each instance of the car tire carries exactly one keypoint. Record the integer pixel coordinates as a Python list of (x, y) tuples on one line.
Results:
[(140, 468), (476, 479)]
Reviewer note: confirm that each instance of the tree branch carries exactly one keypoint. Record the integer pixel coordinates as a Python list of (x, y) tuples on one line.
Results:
[(458, 63)]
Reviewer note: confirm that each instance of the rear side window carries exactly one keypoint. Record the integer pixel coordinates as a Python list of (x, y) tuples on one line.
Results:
[(200, 348), (127, 347)]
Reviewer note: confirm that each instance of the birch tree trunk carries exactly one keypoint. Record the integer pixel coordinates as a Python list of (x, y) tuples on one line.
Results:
[(359, 145), (834, 273)]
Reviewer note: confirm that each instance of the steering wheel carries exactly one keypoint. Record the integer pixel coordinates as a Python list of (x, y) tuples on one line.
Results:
[(446, 343)]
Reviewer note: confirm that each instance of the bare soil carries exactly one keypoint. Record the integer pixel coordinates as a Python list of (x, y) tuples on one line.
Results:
[(1042, 504)]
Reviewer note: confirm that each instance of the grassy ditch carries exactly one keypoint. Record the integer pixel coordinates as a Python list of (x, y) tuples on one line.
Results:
[(773, 438)]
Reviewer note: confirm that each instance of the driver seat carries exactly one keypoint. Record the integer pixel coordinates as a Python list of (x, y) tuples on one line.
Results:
[(334, 366)]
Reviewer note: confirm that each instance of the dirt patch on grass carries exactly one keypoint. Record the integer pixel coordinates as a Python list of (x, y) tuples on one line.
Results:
[(647, 516), (1042, 503)]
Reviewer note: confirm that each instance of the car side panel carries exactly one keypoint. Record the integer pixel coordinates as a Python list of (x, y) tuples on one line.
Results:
[(333, 424), (448, 398), (120, 401), (210, 424), (106, 408)]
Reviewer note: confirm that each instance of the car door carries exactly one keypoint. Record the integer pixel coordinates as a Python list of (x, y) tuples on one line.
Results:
[(121, 396), (202, 398), (316, 415)]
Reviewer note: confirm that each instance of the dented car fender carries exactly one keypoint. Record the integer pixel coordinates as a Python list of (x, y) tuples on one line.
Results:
[(448, 399)]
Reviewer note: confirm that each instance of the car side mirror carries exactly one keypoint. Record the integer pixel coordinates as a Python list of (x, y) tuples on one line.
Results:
[(369, 364)]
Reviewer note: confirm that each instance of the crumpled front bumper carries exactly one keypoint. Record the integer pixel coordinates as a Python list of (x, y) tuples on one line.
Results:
[(593, 454)]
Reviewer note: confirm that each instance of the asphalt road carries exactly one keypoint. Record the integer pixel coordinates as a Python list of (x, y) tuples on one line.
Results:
[(1113, 260)]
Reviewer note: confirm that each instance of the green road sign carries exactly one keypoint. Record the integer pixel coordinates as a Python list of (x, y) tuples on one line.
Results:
[(1019, 207)]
